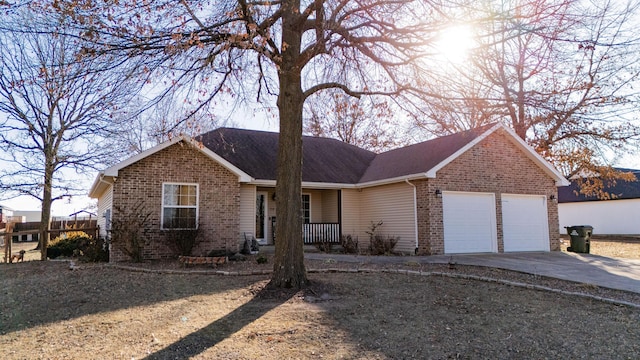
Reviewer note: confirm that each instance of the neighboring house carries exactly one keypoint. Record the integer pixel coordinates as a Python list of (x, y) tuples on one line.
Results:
[(29, 215), (482, 190), (29, 221), (5, 213), (618, 216)]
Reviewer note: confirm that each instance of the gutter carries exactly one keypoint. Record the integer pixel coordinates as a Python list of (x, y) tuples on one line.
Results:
[(415, 211), (94, 187)]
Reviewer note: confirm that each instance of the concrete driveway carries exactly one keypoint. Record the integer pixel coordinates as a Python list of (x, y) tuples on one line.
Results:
[(613, 273)]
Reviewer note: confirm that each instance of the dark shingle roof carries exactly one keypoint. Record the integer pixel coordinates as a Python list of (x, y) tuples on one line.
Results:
[(621, 190), (256, 152), (332, 161), (419, 158)]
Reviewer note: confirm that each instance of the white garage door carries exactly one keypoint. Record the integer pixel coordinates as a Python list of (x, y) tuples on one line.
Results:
[(525, 224), (469, 222)]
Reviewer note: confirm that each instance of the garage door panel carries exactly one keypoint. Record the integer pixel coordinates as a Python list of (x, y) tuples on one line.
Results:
[(525, 223), (469, 222)]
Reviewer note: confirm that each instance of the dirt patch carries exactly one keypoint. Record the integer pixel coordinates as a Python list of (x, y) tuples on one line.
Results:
[(97, 311)]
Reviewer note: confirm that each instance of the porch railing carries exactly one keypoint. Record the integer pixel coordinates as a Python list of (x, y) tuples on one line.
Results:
[(321, 232)]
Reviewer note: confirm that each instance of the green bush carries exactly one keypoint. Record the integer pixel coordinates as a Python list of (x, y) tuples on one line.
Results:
[(67, 244), (80, 245)]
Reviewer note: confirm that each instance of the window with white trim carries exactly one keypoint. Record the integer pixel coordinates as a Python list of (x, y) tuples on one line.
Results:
[(179, 206), (306, 208)]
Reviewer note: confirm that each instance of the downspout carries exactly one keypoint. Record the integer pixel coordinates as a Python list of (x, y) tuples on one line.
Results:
[(415, 211)]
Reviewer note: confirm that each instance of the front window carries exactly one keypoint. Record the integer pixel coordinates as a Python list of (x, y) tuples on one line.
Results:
[(180, 206), (306, 208)]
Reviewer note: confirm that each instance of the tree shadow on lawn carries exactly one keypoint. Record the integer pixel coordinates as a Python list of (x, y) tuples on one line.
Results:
[(37, 293), (214, 333), (401, 317)]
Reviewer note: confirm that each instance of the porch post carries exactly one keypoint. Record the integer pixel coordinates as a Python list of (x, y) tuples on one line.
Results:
[(340, 214)]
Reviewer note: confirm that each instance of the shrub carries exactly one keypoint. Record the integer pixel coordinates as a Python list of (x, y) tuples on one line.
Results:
[(323, 245), (349, 244), (378, 244), (182, 242), (261, 259), (381, 245), (68, 244), (96, 250), (78, 244), (130, 228)]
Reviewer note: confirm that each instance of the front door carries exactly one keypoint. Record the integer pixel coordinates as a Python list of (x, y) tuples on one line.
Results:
[(261, 216)]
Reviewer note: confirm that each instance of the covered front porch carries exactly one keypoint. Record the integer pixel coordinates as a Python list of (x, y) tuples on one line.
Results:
[(321, 214)]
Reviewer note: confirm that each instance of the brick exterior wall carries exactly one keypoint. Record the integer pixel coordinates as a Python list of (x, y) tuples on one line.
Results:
[(219, 199), (495, 165)]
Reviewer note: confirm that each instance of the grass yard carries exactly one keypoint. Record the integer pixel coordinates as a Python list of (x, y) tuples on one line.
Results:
[(50, 312)]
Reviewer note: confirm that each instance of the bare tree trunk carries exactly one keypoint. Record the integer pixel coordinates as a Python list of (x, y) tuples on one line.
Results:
[(288, 268), (46, 207)]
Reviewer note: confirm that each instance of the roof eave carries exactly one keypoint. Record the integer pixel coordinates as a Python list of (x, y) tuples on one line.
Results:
[(306, 184), (393, 180), (100, 185)]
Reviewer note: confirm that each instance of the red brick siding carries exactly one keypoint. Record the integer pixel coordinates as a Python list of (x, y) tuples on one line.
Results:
[(219, 198), (494, 165)]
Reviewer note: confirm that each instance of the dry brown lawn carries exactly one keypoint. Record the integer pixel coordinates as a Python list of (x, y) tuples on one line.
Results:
[(51, 312), (611, 248)]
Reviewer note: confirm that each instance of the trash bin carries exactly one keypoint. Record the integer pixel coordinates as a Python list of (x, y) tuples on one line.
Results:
[(580, 237)]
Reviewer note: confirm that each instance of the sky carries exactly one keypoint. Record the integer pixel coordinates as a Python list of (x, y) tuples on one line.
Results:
[(450, 47), (70, 206)]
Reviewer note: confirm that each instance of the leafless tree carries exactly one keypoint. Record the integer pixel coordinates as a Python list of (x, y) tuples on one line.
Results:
[(55, 111), (367, 123), (562, 73), (162, 121), (272, 52)]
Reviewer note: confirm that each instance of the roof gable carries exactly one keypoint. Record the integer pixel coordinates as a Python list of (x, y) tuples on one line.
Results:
[(427, 158), (419, 158), (113, 170), (105, 178)]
